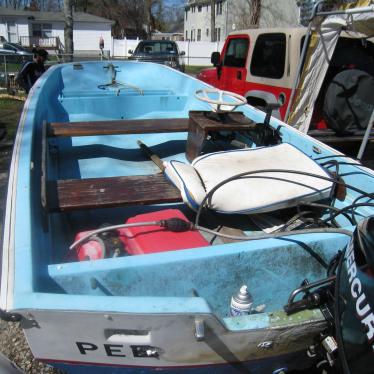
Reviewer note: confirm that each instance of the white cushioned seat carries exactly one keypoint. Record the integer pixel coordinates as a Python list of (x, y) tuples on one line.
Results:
[(250, 194)]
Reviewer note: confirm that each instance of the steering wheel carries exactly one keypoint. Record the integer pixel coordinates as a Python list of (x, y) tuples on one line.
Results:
[(219, 105)]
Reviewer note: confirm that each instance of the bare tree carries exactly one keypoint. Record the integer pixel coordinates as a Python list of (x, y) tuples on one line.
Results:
[(68, 29), (213, 33), (246, 14), (255, 10)]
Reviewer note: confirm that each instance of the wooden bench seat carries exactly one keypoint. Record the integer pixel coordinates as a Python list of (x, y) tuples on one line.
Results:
[(117, 127), (75, 194)]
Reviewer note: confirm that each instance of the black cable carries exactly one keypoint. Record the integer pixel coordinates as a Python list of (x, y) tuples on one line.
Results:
[(349, 163), (361, 197), (250, 174), (347, 208), (333, 156), (336, 177), (325, 206), (333, 163), (293, 219)]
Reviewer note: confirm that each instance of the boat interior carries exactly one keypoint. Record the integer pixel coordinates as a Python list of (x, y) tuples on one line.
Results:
[(108, 154)]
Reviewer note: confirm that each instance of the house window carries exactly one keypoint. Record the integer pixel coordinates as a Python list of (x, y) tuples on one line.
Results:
[(269, 56), (186, 35), (236, 52), (191, 36), (199, 8), (198, 35), (207, 32), (219, 8), (186, 14), (12, 32), (42, 30), (218, 34)]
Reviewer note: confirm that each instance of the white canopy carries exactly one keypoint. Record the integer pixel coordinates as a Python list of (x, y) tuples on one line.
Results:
[(356, 21)]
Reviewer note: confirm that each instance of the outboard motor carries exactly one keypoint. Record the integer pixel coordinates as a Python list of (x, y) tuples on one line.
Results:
[(346, 300), (354, 302)]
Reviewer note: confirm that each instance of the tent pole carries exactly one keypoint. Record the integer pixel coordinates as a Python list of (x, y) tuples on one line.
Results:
[(302, 57), (366, 9), (366, 137)]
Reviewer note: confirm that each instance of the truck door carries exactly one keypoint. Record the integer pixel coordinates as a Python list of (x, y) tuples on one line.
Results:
[(233, 64)]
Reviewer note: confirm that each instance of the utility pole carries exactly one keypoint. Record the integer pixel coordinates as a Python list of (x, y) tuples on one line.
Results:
[(68, 29), (213, 21)]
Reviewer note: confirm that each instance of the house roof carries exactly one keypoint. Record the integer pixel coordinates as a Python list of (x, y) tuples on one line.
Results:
[(52, 16)]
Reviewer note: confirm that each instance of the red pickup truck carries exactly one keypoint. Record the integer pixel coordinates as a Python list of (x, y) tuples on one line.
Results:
[(261, 65)]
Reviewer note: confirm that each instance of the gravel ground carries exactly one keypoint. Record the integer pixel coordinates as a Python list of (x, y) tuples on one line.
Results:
[(13, 345)]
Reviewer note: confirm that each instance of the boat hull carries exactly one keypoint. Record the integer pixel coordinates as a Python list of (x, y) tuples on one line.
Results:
[(115, 342)]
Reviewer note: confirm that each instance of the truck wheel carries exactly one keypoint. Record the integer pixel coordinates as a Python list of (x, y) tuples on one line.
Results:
[(349, 102)]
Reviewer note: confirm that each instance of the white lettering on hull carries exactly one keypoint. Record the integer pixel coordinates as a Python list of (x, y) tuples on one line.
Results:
[(363, 308)]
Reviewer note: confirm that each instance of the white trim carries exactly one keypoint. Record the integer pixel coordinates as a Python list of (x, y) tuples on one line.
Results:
[(7, 274)]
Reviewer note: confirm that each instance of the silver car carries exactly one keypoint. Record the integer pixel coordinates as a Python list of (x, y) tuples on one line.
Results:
[(14, 53)]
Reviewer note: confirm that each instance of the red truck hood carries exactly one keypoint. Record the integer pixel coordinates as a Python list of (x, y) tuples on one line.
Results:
[(208, 75)]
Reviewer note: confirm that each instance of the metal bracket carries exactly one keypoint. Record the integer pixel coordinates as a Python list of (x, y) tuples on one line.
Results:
[(10, 317)]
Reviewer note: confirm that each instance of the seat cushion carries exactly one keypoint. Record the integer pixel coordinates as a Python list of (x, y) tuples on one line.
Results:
[(256, 193)]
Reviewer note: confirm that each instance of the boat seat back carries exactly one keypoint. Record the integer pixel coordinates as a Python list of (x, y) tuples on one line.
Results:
[(257, 192)]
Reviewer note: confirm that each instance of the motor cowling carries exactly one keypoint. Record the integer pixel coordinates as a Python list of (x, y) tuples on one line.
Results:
[(355, 298)]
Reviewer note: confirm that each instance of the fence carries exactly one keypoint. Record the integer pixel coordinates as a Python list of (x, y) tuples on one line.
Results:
[(10, 65), (196, 53)]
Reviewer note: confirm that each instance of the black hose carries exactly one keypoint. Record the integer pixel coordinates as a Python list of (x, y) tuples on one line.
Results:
[(325, 206), (293, 219), (347, 208), (333, 156), (251, 174)]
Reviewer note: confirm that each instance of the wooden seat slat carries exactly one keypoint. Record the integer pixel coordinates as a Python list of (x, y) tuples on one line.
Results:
[(117, 127), (75, 194)]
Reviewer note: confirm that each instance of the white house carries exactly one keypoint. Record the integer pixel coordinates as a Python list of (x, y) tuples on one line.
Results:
[(231, 15), (46, 29)]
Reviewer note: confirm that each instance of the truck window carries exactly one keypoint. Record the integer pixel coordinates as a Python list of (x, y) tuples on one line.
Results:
[(269, 56), (236, 53)]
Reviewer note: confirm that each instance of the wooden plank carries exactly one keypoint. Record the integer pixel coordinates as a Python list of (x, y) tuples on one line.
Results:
[(74, 194), (232, 121), (202, 123), (118, 127)]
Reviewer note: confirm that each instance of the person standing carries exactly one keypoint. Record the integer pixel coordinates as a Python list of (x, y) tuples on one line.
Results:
[(32, 70)]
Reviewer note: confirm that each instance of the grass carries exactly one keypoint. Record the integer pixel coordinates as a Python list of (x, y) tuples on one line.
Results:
[(194, 69), (10, 112), (10, 67)]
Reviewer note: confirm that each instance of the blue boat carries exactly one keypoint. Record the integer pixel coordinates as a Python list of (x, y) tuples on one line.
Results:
[(141, 201)]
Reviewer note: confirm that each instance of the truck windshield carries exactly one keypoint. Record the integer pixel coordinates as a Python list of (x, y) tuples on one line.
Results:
[(236, 53), (156, 48)]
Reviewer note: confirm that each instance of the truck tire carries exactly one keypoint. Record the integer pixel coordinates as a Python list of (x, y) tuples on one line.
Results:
[(349, 101)]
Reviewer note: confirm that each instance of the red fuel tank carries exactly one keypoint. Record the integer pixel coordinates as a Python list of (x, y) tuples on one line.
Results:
[(152, 239)]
